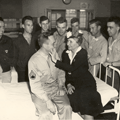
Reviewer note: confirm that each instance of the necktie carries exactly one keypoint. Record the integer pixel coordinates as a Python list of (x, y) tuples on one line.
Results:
[(48, 61)]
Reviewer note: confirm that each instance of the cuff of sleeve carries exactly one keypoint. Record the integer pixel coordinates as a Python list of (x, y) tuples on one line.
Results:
[(57, 63)]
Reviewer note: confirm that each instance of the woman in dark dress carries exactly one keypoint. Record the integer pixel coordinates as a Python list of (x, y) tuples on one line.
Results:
[(80, 84)]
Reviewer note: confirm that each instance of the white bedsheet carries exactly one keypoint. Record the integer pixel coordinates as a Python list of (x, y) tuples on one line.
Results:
[(16, 103), (105, 90)]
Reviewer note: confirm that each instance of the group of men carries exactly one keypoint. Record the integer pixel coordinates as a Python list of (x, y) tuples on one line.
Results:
[(29, 54)]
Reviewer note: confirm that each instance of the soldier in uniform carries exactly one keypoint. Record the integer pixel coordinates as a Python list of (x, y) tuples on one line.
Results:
[(97, 46), (47, 82)]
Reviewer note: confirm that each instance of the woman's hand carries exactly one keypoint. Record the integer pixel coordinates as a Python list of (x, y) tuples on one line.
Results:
[(70, 88), (53, 55)]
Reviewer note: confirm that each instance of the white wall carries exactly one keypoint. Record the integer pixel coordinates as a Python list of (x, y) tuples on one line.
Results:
[(11, 8), (37, 8)]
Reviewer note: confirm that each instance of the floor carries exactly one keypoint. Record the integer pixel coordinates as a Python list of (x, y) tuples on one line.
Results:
[(107, 116)]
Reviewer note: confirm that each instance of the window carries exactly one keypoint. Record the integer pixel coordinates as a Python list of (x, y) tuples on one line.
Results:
[(84, 16), (70, 13)]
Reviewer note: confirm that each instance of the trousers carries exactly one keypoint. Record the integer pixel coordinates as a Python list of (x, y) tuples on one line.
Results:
[(64, 109)]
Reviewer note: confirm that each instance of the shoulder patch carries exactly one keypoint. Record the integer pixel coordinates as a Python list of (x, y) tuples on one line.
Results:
[(32, 75)]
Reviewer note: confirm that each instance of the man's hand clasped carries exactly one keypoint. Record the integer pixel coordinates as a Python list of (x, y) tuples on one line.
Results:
[(51, 106)]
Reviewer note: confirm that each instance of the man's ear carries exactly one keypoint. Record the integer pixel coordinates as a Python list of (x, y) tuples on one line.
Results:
[(49, 24), (44, 45), (67, 28), (99, 27), (39, 24), (23, 26), (118, 28), (56, 26)]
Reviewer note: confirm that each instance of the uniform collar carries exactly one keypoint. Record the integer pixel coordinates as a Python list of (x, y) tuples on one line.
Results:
[(43, 54), (98, 38), (57, 34), (113, 41)]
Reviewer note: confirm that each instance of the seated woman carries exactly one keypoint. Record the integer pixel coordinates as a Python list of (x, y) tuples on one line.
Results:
[(80, 84)]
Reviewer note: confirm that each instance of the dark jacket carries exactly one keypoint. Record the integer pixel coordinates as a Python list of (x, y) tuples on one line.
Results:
[(23, 52), (77, 73), (6, 53)]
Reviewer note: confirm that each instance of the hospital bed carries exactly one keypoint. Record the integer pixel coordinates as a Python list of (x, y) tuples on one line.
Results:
[(16, 103), (108, 92)]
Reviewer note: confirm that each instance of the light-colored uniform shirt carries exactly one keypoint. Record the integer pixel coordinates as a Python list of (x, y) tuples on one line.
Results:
[(113, 49), (45, 79), (60, 44), (85, 39), (97, 51), (114, 56)]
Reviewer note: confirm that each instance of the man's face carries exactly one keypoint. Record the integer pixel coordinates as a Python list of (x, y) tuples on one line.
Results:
[(94, 29), (61, 28), (2, 28), (45, 25), (28, 26), (75, 28), (112, 29), (49, 44)]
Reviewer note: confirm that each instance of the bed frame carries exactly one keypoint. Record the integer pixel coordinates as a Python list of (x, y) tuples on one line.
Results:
[(110, 94)]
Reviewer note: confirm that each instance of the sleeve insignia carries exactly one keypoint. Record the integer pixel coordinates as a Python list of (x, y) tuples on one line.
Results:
[(32, 75), (6, 51)]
